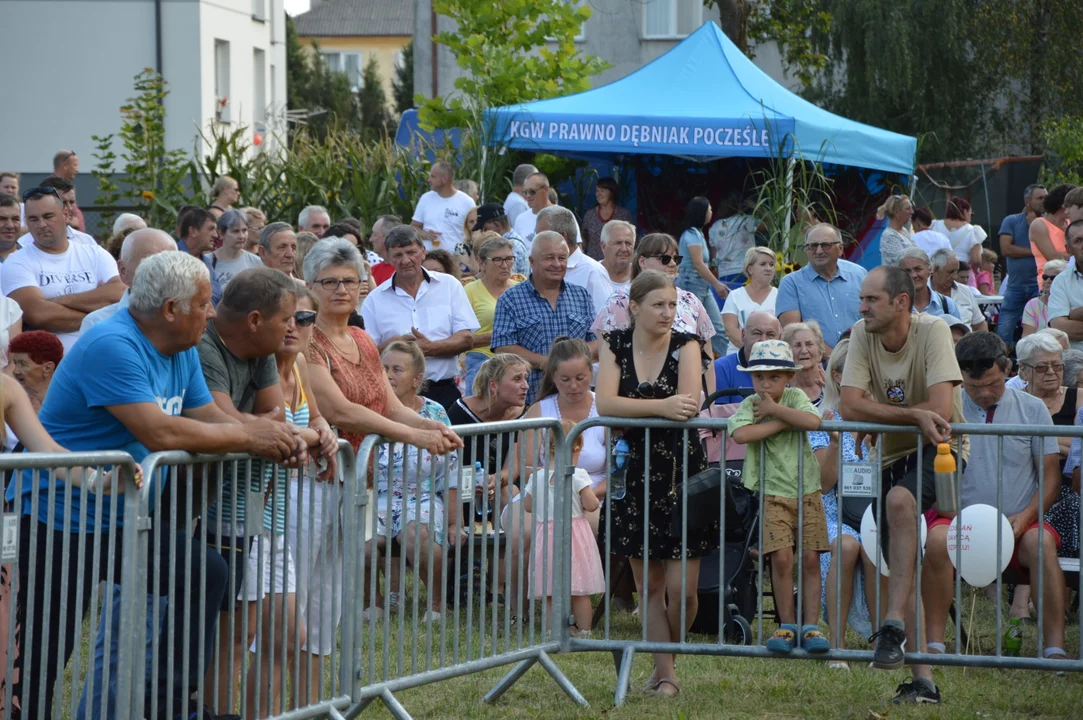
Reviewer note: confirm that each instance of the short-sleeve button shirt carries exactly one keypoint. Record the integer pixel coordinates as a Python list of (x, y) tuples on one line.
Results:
[(833, 304), (440, 309), (524, 318)]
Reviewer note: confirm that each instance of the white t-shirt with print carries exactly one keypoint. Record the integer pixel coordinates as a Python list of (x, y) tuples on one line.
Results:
[(81, 268), (74, 236), (225, 270), (445, 216)]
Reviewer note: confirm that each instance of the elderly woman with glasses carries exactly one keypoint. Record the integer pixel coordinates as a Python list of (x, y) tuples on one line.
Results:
[(1036, 311), (658, 251), (355, 395), (1042, 367), (496, 257)]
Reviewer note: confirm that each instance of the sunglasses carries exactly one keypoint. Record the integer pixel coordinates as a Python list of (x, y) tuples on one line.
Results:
[(667, 259), (305, 318), (529, 192), (37, 192), (1047, 277), (646, 389), (979, 366)]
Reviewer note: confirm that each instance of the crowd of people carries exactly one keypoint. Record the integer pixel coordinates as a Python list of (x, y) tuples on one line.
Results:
[(238, 332)]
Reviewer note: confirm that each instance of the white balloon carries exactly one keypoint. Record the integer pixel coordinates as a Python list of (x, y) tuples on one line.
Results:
[(870, 540), (978, 543)]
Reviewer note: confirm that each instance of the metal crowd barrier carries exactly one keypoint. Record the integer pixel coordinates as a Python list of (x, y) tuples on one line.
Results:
[(385, 596), (733, 634), (247, 594), (64, 547), (473, 603)]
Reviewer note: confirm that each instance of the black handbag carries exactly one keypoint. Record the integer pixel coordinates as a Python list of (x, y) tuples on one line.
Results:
[(704, 489)]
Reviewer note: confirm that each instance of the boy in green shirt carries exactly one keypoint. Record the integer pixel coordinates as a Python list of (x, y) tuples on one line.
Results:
[(780, 416)]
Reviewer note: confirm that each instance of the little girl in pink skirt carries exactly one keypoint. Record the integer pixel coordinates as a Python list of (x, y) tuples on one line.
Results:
[(587, 576)]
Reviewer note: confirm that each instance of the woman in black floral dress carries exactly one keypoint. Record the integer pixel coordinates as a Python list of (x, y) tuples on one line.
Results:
[(651, 371)]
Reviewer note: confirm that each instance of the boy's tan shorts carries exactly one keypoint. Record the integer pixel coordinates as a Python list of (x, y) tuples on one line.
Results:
[(780, 523)]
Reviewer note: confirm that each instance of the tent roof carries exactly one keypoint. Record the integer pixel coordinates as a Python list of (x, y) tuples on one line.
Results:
[(703, 99)]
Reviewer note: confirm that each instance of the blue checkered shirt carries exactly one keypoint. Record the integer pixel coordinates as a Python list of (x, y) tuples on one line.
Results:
[(524, 318)]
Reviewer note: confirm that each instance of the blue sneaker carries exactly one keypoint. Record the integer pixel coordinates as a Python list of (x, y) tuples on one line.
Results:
[(784, 640), (813, 641)]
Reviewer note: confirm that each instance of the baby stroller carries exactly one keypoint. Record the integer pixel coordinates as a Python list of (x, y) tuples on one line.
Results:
[(737, 590)]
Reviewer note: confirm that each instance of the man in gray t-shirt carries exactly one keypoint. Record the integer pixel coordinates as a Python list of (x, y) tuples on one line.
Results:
[(1020, 462)]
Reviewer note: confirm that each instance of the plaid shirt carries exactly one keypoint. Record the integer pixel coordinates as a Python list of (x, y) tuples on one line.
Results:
[(524, 318)]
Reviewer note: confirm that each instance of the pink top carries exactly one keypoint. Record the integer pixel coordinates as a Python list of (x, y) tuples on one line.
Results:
[(691, 316)]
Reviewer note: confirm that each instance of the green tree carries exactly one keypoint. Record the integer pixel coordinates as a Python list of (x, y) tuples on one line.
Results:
[(1033, 45), (790, 23), (372, 102), (512, 51), (402, 85), (323, 96), (915, 78)]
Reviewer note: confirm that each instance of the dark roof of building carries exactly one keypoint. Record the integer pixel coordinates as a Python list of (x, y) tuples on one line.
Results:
[(357, 18)]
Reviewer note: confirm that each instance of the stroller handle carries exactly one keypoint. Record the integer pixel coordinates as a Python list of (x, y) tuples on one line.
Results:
[(743, 392)]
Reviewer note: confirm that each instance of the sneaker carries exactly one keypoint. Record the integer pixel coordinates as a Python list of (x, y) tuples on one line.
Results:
[(393, 600), (813, 641), (890, 647), (784, 640), (911, 692)]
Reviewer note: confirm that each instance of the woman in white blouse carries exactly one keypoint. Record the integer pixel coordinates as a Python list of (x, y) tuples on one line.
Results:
[(758, 295), (966, 239)]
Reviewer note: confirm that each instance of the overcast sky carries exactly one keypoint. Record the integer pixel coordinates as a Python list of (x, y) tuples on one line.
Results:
[(296, 6)]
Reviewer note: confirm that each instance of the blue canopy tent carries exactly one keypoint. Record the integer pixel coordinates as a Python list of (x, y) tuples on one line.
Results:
[(703, 99)]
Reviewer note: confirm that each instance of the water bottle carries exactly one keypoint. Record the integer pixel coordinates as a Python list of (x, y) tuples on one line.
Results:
[(616, 478), (947, 499), (481, 483), (1013, 638)]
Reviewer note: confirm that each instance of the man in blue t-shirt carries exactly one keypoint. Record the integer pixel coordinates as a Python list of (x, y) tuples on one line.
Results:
[(1022, 282), (759, 326), (132, 383)]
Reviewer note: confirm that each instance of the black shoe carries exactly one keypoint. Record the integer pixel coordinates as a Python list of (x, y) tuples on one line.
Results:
[(911, 693), (890, 647)]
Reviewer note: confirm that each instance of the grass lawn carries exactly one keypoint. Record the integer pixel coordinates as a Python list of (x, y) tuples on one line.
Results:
[(715, 687)]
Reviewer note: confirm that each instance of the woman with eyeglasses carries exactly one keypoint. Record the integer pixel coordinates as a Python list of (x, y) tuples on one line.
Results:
[(652, 370), (354, 394), (231, 258), (276, 558), (496, 257), (694, 273), (895, 239), (1041, 366), (1036, 311), (657, 251)]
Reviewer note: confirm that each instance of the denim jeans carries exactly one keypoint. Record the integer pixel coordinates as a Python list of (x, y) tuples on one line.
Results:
[(706, 296), (1011, 310), (92, 686), (474, 361)]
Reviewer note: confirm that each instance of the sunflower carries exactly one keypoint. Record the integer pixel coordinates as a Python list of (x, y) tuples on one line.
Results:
[(147, 195)]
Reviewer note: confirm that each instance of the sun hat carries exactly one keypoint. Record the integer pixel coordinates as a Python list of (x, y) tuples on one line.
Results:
[(770, 355)]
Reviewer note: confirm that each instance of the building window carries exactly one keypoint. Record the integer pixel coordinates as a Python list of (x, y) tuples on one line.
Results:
[(346, 62), (671, 18), (222, 97), (259, 9), (259, 88)]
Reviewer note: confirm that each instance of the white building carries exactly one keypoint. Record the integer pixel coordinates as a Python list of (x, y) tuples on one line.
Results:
[(71, 63), (627, 34)]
